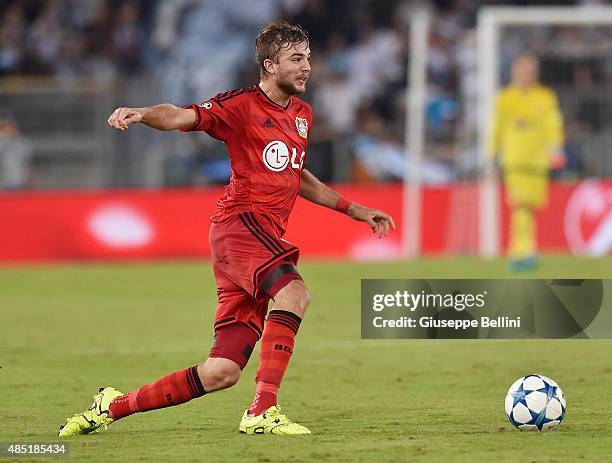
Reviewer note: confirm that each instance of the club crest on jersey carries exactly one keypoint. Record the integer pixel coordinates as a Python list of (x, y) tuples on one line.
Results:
[(302, 126), (206, 105)]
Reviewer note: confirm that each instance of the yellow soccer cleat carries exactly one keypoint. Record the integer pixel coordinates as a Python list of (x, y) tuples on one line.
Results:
[(93, 418), (271, 422)]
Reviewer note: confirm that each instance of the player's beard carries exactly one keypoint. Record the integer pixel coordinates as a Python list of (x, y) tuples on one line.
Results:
[(287, 85)]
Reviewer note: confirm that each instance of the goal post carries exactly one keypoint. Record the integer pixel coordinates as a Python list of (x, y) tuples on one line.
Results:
[(473, 223), (414, 134), (490, 21)]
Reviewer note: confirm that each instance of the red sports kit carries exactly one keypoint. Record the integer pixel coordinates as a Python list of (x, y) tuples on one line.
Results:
[(267, 148)]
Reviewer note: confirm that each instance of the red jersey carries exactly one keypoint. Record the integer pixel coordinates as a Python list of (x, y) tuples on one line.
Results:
[(267, 147)]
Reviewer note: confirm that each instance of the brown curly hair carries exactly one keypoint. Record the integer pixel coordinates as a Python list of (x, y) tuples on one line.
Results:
[(273, 38)]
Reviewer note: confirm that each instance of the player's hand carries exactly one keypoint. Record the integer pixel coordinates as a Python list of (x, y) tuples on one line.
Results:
[(379, 221), (123, 117)]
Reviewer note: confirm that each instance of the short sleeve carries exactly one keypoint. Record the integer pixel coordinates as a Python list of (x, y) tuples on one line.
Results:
[(212, 118)]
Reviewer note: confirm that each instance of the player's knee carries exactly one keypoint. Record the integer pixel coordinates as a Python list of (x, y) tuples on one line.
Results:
[(294, 296), (219, 375), (304, 299), (225, 378), (228, 378)]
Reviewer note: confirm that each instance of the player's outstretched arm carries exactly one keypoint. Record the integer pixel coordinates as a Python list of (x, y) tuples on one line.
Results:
[(161, 117), (315, 191)]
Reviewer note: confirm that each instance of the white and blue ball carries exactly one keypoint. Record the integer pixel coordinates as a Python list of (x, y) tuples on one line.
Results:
[(535, 402)]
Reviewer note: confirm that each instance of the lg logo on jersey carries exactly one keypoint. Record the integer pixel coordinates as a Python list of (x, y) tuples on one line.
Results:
[(276, 156)]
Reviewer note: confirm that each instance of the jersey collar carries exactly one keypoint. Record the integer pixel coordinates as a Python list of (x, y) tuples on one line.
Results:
[(267, 98)]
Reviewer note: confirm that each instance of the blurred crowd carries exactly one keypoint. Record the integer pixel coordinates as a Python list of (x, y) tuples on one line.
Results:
[(197, 48), (15, 156), (72, 37)]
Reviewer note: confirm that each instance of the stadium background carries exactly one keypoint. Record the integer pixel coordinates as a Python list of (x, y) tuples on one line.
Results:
[(73, 190), (65, 65)]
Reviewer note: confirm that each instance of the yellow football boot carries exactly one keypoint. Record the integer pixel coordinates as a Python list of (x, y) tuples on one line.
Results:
[(271, 422), (93, 418)]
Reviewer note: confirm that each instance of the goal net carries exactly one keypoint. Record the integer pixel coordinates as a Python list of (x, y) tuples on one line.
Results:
[(574, 48)]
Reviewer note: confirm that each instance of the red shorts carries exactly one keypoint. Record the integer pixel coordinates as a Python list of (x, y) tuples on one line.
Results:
[(245, 249)]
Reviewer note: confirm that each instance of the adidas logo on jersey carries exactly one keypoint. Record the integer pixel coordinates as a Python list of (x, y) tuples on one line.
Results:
[(268, 123)]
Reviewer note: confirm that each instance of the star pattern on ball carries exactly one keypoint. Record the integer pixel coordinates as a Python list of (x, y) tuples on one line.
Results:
[(519, 396), (535, 402)]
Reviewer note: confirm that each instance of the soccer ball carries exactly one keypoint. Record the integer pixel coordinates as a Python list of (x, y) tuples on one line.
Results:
[(535, 402)]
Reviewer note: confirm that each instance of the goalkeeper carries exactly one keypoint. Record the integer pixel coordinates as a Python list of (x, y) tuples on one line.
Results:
[(528, 136)]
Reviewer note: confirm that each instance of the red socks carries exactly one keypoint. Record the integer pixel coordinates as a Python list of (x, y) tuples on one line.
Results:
[(276, 349), (176, 388), (182, 386)]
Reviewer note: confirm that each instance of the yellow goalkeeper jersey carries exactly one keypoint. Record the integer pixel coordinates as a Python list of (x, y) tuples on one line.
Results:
[(527, 126)]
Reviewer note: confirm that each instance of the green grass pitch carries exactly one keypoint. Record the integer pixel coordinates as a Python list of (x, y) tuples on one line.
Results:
[(66, 330)]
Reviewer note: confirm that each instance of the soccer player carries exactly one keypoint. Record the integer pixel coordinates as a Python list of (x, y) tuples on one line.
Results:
[(265, 128), (528, 134)]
